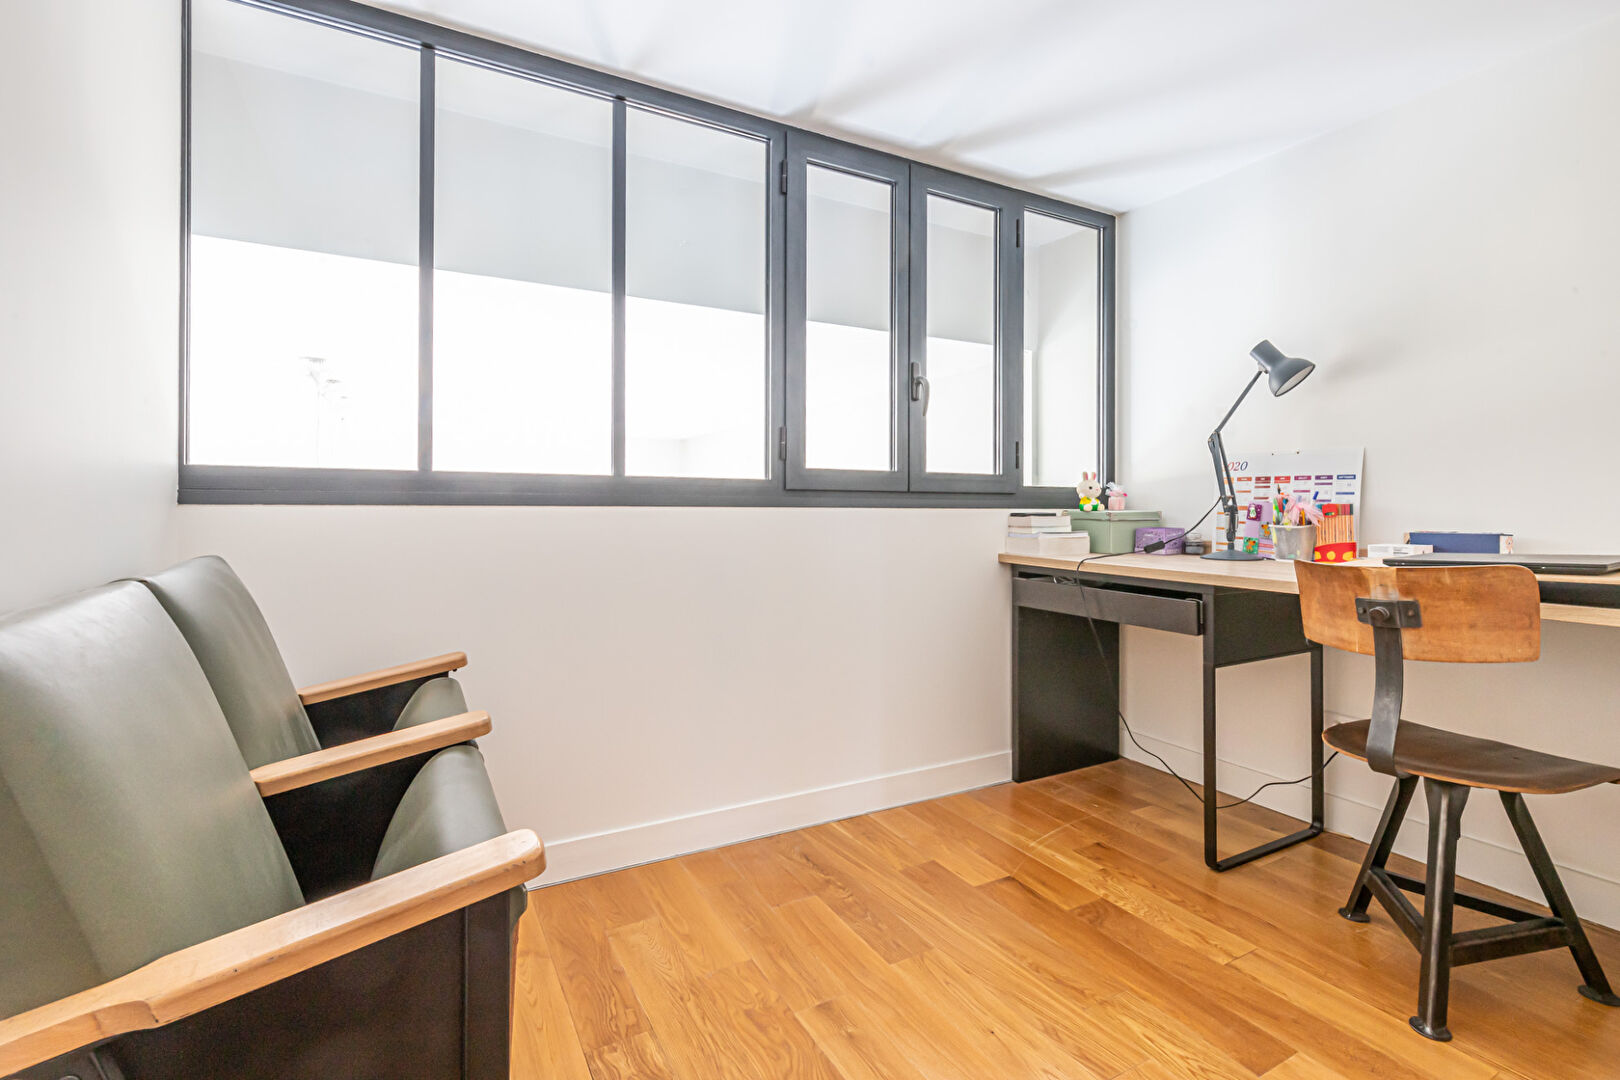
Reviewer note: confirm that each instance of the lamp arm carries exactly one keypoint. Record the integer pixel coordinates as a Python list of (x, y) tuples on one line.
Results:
[(1223, 473), (1239, 401), (1223, 481)]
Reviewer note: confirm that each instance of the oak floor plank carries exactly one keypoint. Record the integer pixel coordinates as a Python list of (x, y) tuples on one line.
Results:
[(641, 1058), (878, 998), (853, 899), (547, 1046), (1347, 1009), (1012, 860), (1221, 1021), (1064, 929), (600, 998), (688, 918), (1180, 1051), (1291, 1023), (944, 980), (920, 834), (1304, 1067), (762, 862), (858, 1051), (799, 974)]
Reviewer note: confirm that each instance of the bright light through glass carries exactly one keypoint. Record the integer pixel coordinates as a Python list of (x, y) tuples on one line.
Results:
[(961, 347), (1061, 301), (848, 365), (522, 310), (303, 347), (695, 342)]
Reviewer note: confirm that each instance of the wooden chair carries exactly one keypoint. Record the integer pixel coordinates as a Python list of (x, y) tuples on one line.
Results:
[(1489, 614)]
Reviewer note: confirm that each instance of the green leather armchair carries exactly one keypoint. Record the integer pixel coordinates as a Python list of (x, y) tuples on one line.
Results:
[(333, 760), (152, 926)]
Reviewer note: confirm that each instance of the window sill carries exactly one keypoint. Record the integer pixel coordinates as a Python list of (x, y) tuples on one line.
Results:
[(239, 485)]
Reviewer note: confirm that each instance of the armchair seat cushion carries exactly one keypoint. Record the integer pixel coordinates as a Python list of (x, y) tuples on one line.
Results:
[(433, 700), (450, 805)]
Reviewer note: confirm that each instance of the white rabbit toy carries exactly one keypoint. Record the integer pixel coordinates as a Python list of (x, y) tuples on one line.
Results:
[(1090, 490)]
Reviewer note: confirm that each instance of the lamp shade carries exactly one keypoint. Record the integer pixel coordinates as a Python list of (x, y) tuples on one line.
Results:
[(1283, 372)]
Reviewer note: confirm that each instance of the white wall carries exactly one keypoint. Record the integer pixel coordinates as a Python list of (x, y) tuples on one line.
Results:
[(1452, 268), (662, 680), (89, 280)]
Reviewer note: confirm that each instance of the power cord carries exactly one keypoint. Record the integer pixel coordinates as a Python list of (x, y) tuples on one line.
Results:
[(1096, 636)]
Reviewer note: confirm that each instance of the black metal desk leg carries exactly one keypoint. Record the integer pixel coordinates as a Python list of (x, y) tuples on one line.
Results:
[(1211, 793), (1318, 787), (1212, 857)]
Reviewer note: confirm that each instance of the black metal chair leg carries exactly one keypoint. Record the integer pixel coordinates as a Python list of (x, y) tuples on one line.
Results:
[(1446, 802), (1596, 986), (1378, 850)]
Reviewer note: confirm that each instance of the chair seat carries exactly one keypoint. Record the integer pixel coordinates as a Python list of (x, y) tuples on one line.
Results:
[(1480, 763)]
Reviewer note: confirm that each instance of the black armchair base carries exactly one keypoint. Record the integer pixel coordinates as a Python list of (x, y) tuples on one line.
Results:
[(431, 1003)]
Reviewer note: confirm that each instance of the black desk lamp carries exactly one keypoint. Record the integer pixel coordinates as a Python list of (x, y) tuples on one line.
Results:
[(1283, 374)]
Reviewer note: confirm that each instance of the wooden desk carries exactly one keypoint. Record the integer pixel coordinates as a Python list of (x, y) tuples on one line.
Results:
[(1574, 598), (1065, 643)]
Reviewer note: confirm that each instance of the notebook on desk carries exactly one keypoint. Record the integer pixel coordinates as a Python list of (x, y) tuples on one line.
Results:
[(1541, 564)]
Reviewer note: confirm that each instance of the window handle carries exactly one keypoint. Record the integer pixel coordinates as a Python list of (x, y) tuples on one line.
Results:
[(919, 386)]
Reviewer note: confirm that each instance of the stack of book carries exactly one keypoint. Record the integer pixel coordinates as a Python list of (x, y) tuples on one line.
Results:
[(1045, 532)]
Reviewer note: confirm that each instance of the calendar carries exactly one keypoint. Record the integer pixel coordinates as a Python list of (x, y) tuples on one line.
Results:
[(1323, 476)]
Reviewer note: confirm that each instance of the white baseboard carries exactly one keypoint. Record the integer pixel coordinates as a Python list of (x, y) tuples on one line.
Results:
[(1596, 897), (583, 856)]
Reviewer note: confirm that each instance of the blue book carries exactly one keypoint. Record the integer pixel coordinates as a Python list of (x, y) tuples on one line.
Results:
[(1470, 543)]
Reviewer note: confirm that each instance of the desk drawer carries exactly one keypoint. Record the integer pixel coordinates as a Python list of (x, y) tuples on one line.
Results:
[(1179, 615)]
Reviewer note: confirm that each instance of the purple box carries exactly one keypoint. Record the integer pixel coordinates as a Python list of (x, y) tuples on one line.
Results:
[(1152, 534)]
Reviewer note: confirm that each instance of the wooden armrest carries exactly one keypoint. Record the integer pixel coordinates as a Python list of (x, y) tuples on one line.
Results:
[(371, 680), (345, 758), (191, 980)]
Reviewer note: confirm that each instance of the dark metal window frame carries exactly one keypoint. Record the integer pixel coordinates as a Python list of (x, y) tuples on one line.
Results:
[(787, 483)]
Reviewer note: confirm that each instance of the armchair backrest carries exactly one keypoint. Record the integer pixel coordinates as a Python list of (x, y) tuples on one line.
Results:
[(129, 826), (233, 643)]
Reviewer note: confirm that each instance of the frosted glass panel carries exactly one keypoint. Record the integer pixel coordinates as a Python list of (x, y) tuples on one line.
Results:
[(522, 311), (848, 376), (695, 336), (960, 359), (304, 213), (1061, 300)]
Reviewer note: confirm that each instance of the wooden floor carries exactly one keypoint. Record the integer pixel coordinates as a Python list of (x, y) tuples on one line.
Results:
[(1063, 928)]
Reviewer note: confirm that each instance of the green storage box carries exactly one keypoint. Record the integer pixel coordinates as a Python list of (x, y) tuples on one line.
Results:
[(1113, 531)]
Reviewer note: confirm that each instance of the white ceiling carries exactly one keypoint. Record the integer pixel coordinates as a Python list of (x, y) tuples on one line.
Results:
[(1113, 103)]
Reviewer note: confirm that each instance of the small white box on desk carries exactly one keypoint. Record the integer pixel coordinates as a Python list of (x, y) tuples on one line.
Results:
[(1051, 545), (1073, 545), (1390, 551)]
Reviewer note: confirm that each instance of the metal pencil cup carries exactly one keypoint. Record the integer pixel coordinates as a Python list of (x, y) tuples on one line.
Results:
[(1293, 542)]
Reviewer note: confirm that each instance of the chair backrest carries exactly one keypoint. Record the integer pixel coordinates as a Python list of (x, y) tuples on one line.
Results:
[(1470, 614), (129, 826), (225, 628)]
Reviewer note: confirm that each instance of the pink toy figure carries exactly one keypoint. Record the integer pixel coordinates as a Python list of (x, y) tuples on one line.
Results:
[(1116, 496)]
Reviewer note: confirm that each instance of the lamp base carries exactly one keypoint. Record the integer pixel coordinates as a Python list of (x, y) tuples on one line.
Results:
[(1230, 555)]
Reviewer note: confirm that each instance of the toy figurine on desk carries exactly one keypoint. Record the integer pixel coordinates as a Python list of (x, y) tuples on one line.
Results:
[(1090, 490)]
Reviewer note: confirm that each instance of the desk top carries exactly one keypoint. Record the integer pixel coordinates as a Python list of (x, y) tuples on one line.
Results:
[(1273, 576)]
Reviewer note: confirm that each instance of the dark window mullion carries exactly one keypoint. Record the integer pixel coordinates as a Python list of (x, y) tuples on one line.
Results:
[(618, 285), (424, 258)]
